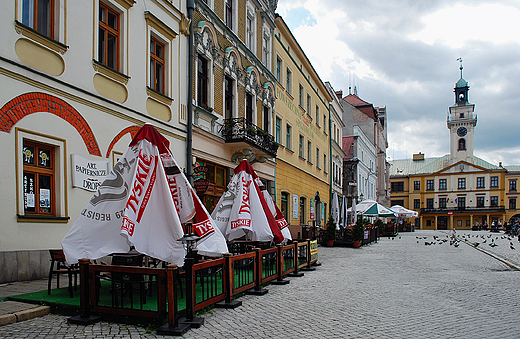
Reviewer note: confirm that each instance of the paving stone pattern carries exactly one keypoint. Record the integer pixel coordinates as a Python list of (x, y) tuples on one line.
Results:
[(396, 288)]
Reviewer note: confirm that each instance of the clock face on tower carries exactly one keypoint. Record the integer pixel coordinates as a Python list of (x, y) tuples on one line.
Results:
[(462, 131)]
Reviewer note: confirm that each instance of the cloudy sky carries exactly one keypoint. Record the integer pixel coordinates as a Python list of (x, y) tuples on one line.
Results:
[(403, 54)]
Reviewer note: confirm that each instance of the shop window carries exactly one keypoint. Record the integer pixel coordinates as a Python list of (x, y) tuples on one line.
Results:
[(42, 188), (284, 205), (302, 210), (38, 178)]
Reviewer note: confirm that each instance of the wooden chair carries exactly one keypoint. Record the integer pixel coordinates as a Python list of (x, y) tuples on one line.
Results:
[(124, 283), (59, 266)]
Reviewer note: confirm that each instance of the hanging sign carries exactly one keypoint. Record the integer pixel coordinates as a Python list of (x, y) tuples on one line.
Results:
[(312, 209), (88, 174), (201, 186), (295, 206)]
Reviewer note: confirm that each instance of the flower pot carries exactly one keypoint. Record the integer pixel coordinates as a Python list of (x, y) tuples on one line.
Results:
[(330, 243), (356, 243)]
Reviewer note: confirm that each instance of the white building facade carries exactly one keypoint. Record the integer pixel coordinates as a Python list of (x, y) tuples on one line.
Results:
[(77, 84)]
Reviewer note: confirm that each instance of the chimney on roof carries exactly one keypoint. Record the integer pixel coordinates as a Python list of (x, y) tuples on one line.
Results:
[(419, 156), (339, 94)]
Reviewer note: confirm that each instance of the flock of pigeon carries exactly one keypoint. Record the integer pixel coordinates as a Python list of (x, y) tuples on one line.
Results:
[(483, 239), (439, 241), (475, 240)]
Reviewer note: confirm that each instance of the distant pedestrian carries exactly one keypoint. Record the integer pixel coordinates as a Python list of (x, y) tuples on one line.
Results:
[(453, 233)]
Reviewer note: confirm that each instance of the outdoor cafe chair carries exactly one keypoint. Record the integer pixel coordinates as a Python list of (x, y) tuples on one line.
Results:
[(125, 283), (59, 266)]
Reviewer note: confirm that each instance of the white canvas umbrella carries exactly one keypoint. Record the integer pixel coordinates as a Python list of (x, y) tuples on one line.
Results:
[(335, 209), (402, 212), (242, 210), (372, 208), (343, 212), (133, 206)]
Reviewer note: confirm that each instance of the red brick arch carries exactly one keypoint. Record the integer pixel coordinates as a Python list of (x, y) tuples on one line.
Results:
[(132, 130), (17, 108)]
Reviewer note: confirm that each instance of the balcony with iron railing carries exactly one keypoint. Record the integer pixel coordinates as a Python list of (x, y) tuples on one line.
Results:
[(244, 133), (466, 209)]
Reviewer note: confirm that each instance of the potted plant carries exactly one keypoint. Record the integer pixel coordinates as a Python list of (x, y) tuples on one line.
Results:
[(330, 232), (358, 233)]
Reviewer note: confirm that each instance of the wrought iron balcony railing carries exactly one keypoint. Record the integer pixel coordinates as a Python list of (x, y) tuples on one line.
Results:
[(242, 130), (467, 209)]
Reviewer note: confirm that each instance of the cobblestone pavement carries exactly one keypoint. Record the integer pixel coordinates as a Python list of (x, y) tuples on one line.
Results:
[(396, 288)]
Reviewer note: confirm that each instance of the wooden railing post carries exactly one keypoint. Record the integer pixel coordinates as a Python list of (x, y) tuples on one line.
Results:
[(172, 327), (229, 273), (279, 267), (308, 255), (190, 318), (258, 290), (85, 318), (296, 273)]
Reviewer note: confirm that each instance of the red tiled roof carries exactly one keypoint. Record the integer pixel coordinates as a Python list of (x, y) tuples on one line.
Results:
[(361, 105), (347, 143)]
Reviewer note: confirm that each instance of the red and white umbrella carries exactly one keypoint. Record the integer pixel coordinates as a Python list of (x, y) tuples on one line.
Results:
[(139, 204), (243, 212)]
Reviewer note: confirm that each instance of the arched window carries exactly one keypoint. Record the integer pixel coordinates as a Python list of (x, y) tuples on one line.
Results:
[(462, 144)]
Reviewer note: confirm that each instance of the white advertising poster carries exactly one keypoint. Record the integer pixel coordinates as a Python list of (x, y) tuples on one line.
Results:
[(295, 206), (88, 174)]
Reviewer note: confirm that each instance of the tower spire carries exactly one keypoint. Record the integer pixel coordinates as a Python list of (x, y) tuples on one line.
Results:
[(460, 60)]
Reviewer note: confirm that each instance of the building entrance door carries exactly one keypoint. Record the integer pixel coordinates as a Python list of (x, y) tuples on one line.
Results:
[(442, 223)]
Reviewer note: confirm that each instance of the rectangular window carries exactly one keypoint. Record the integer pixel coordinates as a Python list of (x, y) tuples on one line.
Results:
[(301, 154), (397, 186), (512, 203), (279, 70), (461, 183), (443, 184), (494, 182), (481, 182), (493, 201), (108, 45), (429, 203), (38, 178), (39, 15), (249, 32), (302, 210), (442, 202), (249, 108), (288, 75), (229, 13), (284, 205), (317, 115), (300, 97), (202, 81), (325, 123), (309, 151), (429, 185), (288, 137), (267, 121), (417, 185), (228, 97), (278, 133), (512, 185), (157, 65), (325, 167), (461, 202), (480, 201), (308, 104), (317, 157), (416, 204), (265, 50)]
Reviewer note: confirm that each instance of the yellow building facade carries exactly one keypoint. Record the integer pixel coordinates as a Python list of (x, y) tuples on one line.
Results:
[(458, 190), (302, 130)]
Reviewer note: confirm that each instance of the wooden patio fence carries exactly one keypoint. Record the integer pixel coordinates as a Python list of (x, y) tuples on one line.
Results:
[(109, 290)]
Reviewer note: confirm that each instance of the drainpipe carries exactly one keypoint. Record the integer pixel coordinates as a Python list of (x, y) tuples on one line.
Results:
[(189, 134), (330, 162)]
